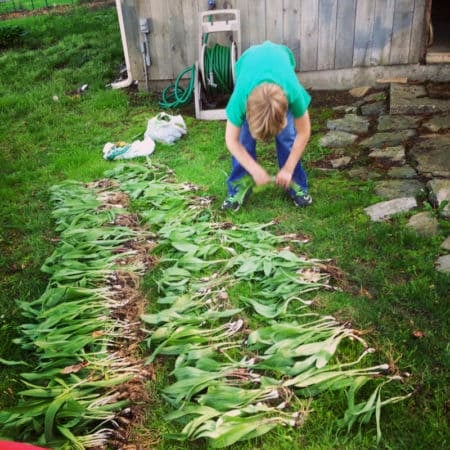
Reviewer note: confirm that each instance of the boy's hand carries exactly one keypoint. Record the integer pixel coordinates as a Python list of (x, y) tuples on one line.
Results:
[(283, 178), (260, 176)]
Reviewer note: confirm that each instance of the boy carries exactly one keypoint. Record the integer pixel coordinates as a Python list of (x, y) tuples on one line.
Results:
[(267, 102)]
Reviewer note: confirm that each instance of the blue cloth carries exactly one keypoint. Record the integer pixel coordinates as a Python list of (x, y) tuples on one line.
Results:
[(283, 141)]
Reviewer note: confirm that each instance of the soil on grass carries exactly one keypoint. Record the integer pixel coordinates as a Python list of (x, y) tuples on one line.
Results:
[(55, 9), (331, 98)]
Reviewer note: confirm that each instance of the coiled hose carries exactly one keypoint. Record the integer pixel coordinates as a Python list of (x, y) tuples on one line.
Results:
[(217, 69), (174, 95), (218, 78)]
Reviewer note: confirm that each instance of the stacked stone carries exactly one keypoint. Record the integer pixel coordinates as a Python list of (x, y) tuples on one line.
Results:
[(408, 150)]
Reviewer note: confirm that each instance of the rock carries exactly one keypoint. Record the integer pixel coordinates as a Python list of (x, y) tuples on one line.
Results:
[(440, 193), (439, 89), (438, 123), (363, 173), (403, 172), (337, 139), (359, 103), (375, 97), (424, 223), (388, 123), (391, 138), (446, 244), (443, 264), (413, 99), (394, 188), (359, 91), (345, 109), (372, 109), (351, 123), (432, 155), (385, 210), (390, 155), (340, 163), (408, 92)]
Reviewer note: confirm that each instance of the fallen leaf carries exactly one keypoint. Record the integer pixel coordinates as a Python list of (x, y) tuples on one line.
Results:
[(418, 334), (365, 293), (75, 368)]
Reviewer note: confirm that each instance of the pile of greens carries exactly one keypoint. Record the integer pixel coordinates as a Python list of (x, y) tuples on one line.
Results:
[(242, 364), (81, 329)]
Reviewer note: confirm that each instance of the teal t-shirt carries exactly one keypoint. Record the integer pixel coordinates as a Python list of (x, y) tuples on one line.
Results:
[(266, 63)]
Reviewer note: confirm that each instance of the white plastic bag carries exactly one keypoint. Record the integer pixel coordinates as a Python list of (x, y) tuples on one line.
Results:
[(123, 150), (165, 128)]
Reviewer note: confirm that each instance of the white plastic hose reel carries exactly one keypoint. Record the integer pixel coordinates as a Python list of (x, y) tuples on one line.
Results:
[(210, 22), (201, 68)]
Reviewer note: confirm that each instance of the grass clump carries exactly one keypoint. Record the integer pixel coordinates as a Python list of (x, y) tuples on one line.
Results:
[(11, 36)]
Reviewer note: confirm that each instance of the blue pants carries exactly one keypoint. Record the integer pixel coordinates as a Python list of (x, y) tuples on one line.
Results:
[(283, 141)]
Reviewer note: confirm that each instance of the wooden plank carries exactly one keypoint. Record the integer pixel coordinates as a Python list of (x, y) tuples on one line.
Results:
[(323, 34), (132, 36), (190, 37), (274, 21), (309, 24), (401, 31), (418, 32), (382, 32), (160, 47), (438, 58), (246, 22), (256, 23), (291, 27), (345, 33), (326, 46), (427, 33), (365, 12), (389, 80), (177, 39)]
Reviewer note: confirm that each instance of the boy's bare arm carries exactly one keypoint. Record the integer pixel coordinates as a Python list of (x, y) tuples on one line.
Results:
[(260, 176), (303, 127)]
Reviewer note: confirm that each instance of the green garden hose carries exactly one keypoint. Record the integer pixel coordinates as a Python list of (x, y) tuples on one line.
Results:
[(174, 95), (217, 69), (218, 77)]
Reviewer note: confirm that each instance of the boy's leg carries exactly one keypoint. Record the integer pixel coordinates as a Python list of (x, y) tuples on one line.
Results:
[(284, 140), (237, 171)]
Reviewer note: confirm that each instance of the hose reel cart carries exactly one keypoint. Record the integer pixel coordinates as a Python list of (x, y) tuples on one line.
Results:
[(214, 72)]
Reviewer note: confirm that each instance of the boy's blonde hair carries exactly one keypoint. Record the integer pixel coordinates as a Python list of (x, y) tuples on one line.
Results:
[(266, 111)]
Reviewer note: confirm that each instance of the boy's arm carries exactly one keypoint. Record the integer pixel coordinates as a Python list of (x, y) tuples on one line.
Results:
[(303, 127), (260, 176)]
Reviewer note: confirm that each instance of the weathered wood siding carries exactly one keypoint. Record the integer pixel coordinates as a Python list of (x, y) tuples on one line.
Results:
[(323, 34)]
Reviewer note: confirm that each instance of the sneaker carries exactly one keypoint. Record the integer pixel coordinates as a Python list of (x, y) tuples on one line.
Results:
[(234, 202), (230, 204), (299, 196)]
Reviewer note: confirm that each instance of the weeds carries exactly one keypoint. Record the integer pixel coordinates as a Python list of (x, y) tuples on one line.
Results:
[(11, 36)]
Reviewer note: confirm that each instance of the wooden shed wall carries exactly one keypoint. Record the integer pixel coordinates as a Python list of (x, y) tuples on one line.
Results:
[(323, 34)]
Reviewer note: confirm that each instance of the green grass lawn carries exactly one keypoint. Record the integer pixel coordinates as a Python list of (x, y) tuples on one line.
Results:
[(14, 6), (388, 284)]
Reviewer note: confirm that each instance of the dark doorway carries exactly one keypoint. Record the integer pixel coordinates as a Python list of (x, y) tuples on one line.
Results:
[(439, 34)]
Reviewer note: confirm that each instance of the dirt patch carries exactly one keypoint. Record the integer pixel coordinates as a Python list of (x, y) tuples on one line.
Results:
[(55, 9), (330, 98)]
